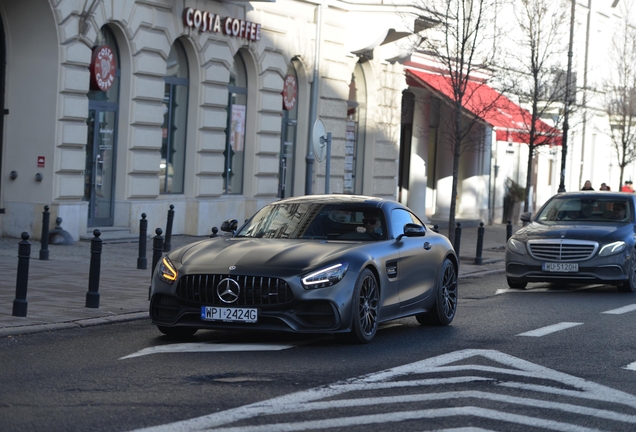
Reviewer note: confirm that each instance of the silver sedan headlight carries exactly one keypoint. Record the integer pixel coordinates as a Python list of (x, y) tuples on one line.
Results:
[(517, 246), (612, 248), (325, 277)]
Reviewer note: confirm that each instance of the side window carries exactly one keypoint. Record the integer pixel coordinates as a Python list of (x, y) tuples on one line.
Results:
[(399, 218)]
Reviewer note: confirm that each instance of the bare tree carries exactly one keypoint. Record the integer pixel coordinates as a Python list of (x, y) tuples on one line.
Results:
[(465, 47), (620, 93), (542, 26)]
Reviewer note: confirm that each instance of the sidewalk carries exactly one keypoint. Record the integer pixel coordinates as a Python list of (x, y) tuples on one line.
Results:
[(57, 287)]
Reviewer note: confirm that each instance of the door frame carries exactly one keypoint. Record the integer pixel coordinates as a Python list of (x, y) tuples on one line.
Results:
[(100, 106)]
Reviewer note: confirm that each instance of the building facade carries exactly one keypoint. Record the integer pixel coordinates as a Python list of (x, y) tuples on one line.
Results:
[(116, 108)]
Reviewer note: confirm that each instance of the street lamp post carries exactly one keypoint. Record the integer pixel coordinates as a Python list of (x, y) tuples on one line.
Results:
[(566, 114)]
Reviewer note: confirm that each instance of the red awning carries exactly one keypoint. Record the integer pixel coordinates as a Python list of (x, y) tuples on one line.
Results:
[(509, 121)]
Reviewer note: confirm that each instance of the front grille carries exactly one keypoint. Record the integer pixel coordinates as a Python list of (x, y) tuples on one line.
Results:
[(562, 250), (255, 291)]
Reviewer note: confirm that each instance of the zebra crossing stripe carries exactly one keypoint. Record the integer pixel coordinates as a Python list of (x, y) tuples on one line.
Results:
[(318, 400)]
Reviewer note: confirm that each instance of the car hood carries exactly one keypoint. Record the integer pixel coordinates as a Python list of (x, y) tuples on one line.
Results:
[(260, 256), (602, 233)]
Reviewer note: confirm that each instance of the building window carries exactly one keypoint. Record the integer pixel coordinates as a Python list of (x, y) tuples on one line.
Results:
[(355, 132), (288, 134), (235, 132), (175, 115)]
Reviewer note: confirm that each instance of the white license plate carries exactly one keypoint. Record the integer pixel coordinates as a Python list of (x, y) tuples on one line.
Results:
[(213, 313), (561, 267)]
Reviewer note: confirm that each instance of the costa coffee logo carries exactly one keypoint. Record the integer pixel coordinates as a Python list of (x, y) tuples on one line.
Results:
[(103, 68), (206, 21), (289, 92)]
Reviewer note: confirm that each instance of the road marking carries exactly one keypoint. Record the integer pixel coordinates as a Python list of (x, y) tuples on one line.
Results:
[(550, 329), (542, 290), (517, 374), (206, 347), (631, 366), (621, 310)]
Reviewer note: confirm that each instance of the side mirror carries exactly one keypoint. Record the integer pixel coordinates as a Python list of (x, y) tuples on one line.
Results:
[(229, 225), (526, 217), (412, 230)]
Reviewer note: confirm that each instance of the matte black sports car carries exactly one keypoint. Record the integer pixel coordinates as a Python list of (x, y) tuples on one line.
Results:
[(577, 237), (315, 264)]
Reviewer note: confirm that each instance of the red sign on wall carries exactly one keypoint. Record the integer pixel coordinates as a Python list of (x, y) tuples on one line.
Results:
[(40, 161), (103, 68)]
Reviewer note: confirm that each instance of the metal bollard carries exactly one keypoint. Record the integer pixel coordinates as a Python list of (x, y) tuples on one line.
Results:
[(166, 244), (215, 232), (458, 237), (44, 249), (480, 243), (143, 229), (92, 295), (436, 228), (24, 252), (157, 251), (508, 230)]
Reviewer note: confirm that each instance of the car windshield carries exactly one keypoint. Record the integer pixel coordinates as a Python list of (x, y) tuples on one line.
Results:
[(316, 221), (585, 209)]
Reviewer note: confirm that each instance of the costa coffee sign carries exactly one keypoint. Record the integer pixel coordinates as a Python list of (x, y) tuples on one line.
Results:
[(103, 68), (206, 21)]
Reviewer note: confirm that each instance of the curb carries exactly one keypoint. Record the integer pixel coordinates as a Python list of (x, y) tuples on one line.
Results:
[(91, 322)]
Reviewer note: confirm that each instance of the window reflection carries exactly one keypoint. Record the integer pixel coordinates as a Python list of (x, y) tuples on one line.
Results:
[(175, 116)]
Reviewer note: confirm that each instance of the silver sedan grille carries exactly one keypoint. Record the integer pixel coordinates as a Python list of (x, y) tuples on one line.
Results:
[(562, 250)]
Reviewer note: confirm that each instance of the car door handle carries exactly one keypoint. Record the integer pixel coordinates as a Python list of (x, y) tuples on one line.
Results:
[(427, 246)]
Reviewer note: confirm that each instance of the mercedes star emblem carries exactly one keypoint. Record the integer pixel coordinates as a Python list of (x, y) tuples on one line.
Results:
[(228, 290)]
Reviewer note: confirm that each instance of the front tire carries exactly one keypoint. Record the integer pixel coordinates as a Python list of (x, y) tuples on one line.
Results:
[(630, 284), (445, 306), (177, 332), (516, 284), (365, 307)]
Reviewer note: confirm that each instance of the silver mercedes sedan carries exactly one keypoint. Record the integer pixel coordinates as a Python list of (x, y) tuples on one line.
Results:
[(576, 237)]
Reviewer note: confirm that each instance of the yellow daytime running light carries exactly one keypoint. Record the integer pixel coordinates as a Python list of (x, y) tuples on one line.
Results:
[(168, 271)]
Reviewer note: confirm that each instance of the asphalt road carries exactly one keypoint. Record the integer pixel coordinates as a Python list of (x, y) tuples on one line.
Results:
[(549, 358)]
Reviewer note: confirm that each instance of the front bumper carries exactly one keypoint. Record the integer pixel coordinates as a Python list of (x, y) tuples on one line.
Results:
[(283, 304), (610, 270)]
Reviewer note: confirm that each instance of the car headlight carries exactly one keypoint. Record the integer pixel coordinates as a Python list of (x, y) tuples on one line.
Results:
[(517, 246), (167, 272), (612, 248), (325, 277)]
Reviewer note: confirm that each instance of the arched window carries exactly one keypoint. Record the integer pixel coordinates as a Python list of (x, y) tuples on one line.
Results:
[(101, 144), (175, 116), (355, 132), (288, 135), (235, 131)]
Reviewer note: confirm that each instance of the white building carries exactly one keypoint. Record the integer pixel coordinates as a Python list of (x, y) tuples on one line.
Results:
[(114, 108)]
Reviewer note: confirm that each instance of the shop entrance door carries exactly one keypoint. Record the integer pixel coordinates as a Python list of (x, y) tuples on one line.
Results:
[(99, 178)]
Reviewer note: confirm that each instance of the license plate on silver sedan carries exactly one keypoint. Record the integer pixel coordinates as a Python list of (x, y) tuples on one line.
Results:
[(213, 313), (561, 267)]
